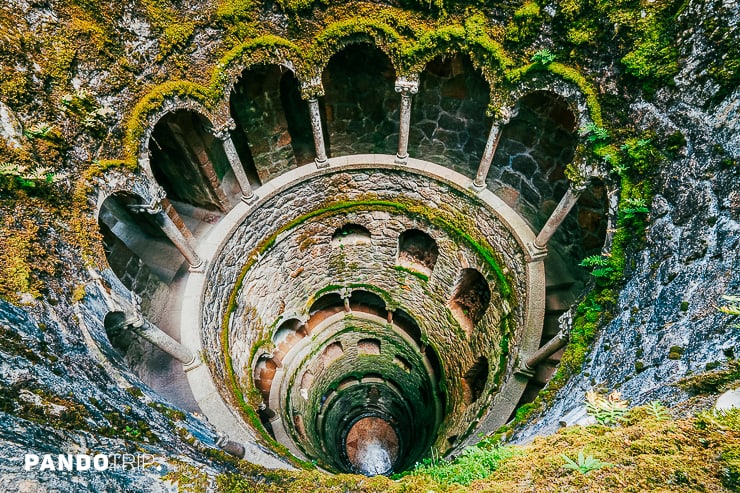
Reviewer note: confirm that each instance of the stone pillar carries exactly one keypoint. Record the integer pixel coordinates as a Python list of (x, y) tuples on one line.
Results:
[(494, 135), (485, 163), (318, 133), (558, 215), (551, 347), (230, 447), (179, 238), (406, 86), (150, 332), (224, 135)]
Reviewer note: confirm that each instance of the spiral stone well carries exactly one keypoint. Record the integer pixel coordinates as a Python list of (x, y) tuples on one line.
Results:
[(325, 307), (365, 310)]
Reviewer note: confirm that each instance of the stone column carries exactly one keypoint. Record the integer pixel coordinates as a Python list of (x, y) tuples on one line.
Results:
[(551, 347), (230, 447), (170, 229), (494, 135), (558, 215), (150, 332), (224, 135), (406, 86), (318, 133)]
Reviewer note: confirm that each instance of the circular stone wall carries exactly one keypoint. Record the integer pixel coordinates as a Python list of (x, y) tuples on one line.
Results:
[(371, 292)]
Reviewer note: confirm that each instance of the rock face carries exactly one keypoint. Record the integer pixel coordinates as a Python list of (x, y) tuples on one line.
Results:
[(56, 397), (666, 325)]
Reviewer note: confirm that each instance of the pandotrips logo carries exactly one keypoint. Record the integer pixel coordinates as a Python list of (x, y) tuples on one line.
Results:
[(86, 462)]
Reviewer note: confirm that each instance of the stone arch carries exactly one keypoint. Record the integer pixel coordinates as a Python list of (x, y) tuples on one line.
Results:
[(360, 104), (336, 37), (264, 372), (188, 161), (351, 234), (449, 124), (366, 301), (546, 81), (160, 102), (264, 49), (533, 151), (417, 250), (470, 299), (474, 381), (262, 134), (287, 335), (136, 249)]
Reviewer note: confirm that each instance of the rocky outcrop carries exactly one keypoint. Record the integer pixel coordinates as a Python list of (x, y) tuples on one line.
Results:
[(57, 397), (666, 325)]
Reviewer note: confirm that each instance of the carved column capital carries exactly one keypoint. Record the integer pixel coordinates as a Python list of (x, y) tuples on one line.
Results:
[(223, 132), (505, 115), (154, 206), (407, 85), (312, 88)]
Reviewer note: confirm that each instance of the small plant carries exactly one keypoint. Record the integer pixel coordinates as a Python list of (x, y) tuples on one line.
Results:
[(659, 411), (733, 308), (40, 131), (543, 57), (607, 410), (27, 178), (133, 432), (585, 464), (594, 133), (601, 264), (634, 207)]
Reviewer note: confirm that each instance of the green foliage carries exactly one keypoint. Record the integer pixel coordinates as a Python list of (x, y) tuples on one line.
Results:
[(658, 411), (594, 133), (602, 266), (585, 464), (544, 57), (25, 178), (473, 464), (634, 207), (606, 409), (414, 273), (713, 382), (525, 23), (732, 308)]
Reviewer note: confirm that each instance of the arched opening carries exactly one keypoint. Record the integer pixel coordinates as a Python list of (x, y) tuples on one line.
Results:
[(474, 380), (263, 138), (368, 346), (350, 234), (189, 162), (528, 169), (298, 118), (449, 125), (137, 250), (287, 335), (365, 301), (418, 251), (264, 373), (470, 299), (360, 103), (115, 329)]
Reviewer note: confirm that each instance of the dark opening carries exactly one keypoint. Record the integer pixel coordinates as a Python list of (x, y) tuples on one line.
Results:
[(351, 234), (188, 161), (475, 380), (416, 249), (471, 299)]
